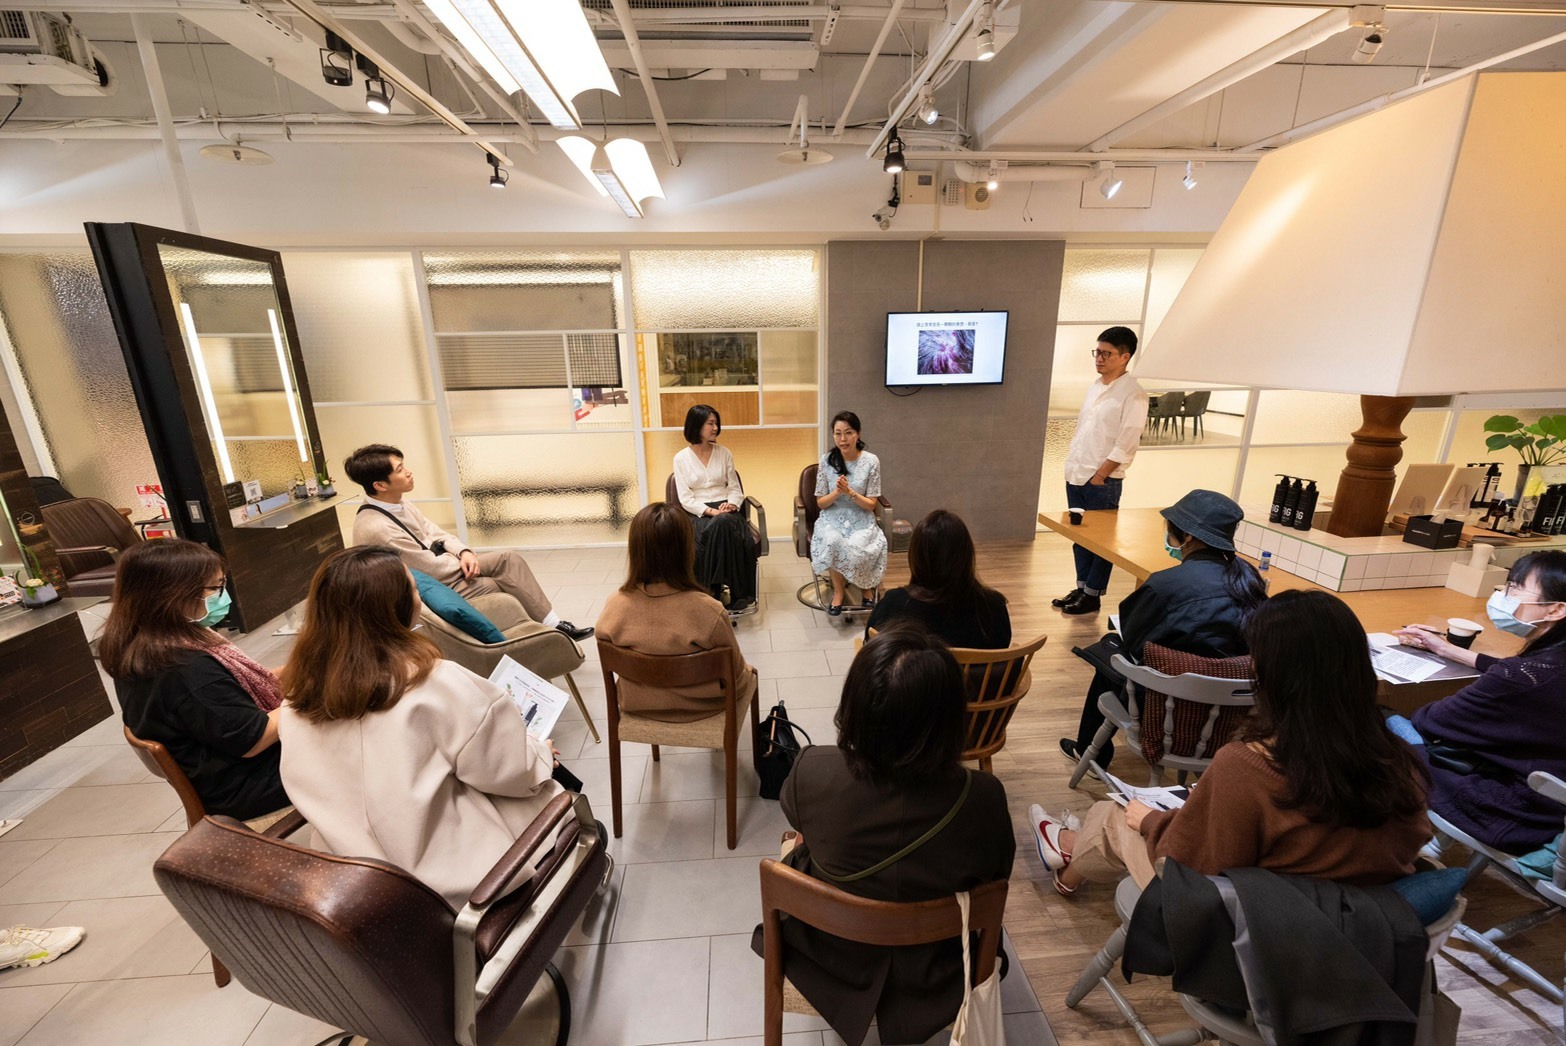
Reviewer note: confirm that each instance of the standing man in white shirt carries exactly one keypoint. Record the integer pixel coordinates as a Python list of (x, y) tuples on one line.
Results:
[(1109, 429)]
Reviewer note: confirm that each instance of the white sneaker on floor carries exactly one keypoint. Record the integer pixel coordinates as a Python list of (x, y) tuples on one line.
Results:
[(26, 946), (1046, 835)]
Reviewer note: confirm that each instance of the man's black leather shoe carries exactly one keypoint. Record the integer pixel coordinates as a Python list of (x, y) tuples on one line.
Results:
[(574, 632)]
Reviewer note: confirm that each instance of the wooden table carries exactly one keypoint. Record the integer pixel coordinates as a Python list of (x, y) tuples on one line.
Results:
[(51, 691), (1133, 539)]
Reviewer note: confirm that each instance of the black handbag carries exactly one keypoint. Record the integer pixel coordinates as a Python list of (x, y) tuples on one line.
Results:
[(776, 749)]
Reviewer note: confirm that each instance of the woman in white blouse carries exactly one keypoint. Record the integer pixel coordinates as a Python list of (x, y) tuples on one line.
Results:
[(709, 489), (395, 753)]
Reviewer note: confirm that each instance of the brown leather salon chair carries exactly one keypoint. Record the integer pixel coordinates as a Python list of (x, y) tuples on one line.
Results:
[(363, 945), (89, 535)]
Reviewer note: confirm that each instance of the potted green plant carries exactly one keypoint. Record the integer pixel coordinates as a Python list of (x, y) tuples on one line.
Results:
[(1541, 443), (36, 589), (324, 478)]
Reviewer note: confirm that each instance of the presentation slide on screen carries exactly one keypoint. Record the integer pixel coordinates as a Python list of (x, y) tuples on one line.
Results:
[(945, 348)]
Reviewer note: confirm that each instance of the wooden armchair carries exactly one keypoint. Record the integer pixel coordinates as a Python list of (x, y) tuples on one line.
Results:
[(997, 680), (718, 731), (785, 891)]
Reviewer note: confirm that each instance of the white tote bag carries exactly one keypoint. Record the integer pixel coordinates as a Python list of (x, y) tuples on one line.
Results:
[(978, 1020)]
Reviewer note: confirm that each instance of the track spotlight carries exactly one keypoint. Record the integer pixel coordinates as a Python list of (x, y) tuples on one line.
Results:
[(378, 95), (927, 110), (499, 177), (984, 40), (1370, 44), (377, 92), (1111, 184), (894, 163), (337, 61), (1189, 181)]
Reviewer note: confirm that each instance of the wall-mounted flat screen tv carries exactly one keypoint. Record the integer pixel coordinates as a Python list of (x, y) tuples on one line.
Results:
[(945, 348)]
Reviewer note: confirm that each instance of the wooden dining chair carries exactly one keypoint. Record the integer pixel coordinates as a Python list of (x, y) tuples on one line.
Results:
[(997, 680), (785, 891), (662, 672), (157, 759)]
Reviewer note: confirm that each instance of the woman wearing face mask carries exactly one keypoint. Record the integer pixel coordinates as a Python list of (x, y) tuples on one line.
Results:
[(391, 752), (1510, 717), (1197, 607), (188, 688)]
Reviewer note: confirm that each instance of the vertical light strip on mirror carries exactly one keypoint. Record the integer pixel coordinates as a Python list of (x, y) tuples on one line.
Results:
[(204, 386), (288, 385)]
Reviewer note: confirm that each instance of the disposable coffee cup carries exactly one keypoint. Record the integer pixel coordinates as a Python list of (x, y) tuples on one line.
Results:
[(1076, 517), (1461, 632)]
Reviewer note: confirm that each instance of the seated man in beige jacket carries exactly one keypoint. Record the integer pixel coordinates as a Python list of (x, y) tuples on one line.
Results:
[(386, 519)]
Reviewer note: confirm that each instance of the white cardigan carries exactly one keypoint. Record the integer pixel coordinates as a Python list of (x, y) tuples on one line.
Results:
[(440, 784), (697, 484)]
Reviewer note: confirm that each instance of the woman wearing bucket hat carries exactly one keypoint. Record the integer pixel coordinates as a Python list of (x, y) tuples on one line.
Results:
[(1197, 607)]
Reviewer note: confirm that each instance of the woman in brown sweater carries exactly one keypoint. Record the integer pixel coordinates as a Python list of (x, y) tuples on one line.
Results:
[(661, 609), (1316, 785)]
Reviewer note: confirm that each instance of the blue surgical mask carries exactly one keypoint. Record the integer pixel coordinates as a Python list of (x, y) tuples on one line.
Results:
[(1502, 609), (217, 608), (1176, 553)]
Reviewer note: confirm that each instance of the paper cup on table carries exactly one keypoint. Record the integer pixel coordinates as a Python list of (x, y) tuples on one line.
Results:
[(1462, 632), (1076, 517)]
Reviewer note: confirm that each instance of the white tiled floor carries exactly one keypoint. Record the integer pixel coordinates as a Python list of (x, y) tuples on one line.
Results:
[(663, 957)]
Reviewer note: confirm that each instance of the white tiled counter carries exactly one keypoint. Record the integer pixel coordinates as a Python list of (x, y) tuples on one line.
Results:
[(1350, 564)]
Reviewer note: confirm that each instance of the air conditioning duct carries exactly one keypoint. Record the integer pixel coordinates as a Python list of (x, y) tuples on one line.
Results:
[(38, 47)]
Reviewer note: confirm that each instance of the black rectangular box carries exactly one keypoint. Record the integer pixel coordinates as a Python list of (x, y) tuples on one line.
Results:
[(1426, 534)]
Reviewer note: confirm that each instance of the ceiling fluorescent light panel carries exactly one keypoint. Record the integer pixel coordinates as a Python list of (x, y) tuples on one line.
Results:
[(620, 169), (544, 48)]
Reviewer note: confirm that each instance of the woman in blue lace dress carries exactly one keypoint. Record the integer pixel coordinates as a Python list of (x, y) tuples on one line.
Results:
[(848, 542)]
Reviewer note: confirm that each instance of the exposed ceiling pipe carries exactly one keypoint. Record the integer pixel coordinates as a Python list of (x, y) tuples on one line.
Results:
[(622, 11), (1069, 156), (210, 131), (411, 38), (777, 13), (975, 172), (166, 131), (464, 63), (1306, 36), (937, 58), (1381, 101), (864, 72), (801, 121), (313, 11)]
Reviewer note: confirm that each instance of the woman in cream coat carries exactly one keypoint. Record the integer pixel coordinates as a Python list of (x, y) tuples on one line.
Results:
[(393, 753)]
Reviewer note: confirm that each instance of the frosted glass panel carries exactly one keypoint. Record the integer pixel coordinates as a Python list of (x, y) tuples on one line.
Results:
[(359, 325), (1057, 440), (563, 489), (1289, 416), (502, 361), (275, 462), (1170, 271), (789, 390), (699, 289), (414, 430), (1103, 286), (53, 309), (1425, 430), (1159, 478), (524, 290), (769, 463), (1072, 370), (510, 410)]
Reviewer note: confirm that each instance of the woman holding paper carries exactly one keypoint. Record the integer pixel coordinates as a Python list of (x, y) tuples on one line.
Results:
[(392, 752), (1316, 784)]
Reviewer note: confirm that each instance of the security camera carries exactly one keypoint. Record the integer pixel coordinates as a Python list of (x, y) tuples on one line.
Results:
[(882, 219), (1370, 44)]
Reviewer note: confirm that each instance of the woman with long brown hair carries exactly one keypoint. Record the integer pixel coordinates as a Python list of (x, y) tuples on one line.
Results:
[(663, 609), (391, 752), (944, 593), (186, 687), (1315, 785)]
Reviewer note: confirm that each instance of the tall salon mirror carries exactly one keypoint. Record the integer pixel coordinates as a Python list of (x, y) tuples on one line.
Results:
[(213, 354)]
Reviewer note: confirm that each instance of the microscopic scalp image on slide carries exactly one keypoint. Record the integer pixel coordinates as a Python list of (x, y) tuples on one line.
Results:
[(946, 351)]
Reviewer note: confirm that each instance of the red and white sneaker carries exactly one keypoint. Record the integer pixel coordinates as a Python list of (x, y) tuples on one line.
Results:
[(1046, 834)]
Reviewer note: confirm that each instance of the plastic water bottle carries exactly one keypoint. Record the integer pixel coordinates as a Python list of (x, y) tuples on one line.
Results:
[(1263, 568)]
